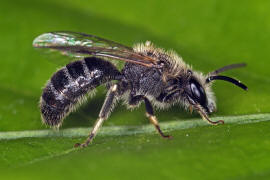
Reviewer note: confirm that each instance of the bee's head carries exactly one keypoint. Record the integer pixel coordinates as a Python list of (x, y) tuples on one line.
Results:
[(198, 90)]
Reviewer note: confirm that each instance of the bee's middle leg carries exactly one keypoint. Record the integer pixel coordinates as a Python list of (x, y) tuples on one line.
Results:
[(134, 100)]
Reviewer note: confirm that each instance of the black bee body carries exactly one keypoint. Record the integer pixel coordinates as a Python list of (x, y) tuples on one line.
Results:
[(70, 84), (143, 80), (150, 74)]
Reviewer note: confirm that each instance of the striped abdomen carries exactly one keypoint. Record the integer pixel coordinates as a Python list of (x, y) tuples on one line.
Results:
[(70, 84)]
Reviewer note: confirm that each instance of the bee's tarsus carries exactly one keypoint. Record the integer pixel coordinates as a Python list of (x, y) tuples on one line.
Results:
[(152, 118), (77, 145), (162, 134), (216, 122)]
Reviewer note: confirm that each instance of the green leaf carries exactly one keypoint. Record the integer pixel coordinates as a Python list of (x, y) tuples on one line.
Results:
[(207, 34)]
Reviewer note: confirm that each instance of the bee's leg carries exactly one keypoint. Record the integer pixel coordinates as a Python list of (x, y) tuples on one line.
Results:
[(205, 116), (134, 100), (152, 118), (103, 115)]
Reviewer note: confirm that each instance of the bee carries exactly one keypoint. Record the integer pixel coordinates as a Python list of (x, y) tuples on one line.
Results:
[(151, 75)]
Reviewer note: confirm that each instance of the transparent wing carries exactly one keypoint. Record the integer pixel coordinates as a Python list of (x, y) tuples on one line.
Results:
[(77, 45)]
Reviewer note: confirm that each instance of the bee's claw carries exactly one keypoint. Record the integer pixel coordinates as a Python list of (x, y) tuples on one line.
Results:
[(80, 145), (167, 136)]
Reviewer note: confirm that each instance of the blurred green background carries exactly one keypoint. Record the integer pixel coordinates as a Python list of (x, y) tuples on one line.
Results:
[(207, 34)]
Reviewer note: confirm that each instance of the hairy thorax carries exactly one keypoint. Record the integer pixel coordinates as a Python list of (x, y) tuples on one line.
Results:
[(143, 80)]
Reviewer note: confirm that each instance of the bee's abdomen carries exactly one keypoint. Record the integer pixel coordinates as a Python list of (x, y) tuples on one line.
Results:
[(70, 84)]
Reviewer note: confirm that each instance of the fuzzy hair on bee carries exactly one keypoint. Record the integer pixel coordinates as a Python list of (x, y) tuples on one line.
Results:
[(176, 67), (150, 74)]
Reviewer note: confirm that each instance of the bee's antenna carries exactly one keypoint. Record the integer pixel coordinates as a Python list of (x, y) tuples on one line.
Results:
[(228, 67), (229, 79)]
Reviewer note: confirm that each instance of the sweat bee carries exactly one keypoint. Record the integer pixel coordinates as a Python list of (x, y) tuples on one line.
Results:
[(159, 78)]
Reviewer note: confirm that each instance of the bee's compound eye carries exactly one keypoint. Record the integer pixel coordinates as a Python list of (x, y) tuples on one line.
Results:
[(198, 92)]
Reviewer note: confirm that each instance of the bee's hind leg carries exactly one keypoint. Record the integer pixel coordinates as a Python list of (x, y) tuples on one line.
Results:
[(103, 115), (149, 113)]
